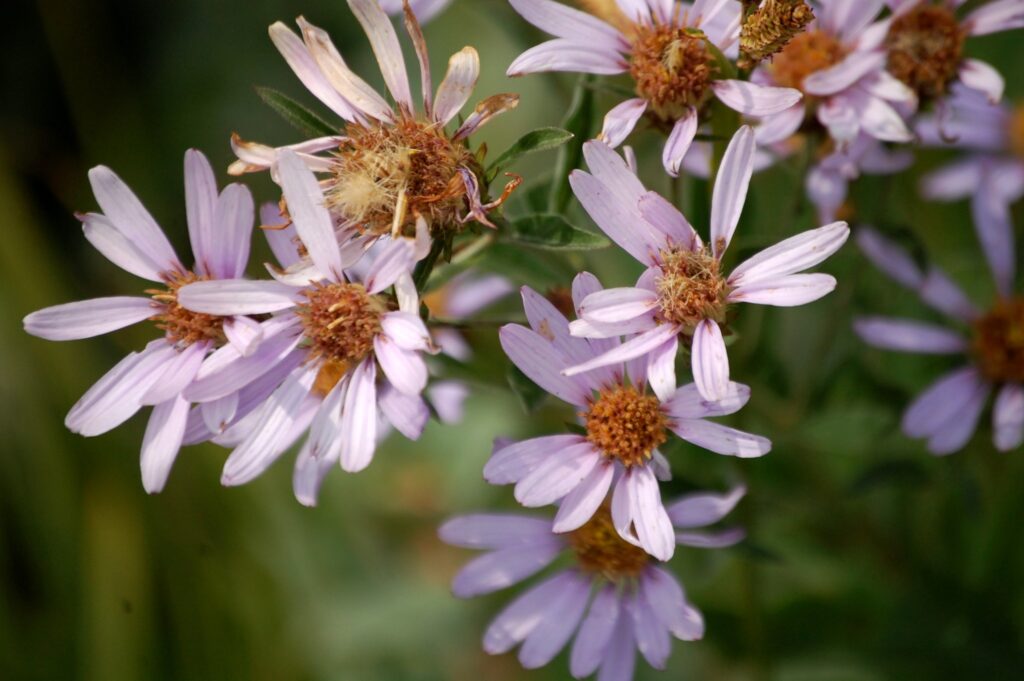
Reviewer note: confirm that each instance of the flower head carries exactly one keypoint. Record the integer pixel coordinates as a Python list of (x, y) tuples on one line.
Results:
[(671, 52), (388, 165), (685, 290), (331, 328), (991, 341), (220, 226), (838, 62), (925, 45), (993, 136), (627, 412), (614, 599)]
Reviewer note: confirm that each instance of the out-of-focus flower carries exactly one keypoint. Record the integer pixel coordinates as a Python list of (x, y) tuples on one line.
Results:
[(220, 228), (828, 181), (624, 426), (839, 65), (425, 10), (389, 165), (925, 43), (993, 134), (671, 51), (947, 412), (683, 291), (458, 299), (331, 331), (614, 599)]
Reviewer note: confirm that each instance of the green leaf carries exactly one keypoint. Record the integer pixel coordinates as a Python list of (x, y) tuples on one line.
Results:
[(552, 232), (529, 393), (533, 141), (297, 115), (578, 121)]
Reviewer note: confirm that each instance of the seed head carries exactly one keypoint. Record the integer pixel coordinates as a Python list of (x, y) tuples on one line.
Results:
[(690, 288), (768, 28)]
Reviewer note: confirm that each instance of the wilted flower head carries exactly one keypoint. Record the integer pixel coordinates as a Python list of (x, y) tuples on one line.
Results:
[(220, 227), (838, 62), (331, 330), (627, 412), (684, 290), (769, 25), (672, 51), (925, 45), (614, 599), (389, 165), (947, 412)]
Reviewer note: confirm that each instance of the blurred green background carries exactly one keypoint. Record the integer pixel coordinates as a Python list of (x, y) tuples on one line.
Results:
[(867, 559)]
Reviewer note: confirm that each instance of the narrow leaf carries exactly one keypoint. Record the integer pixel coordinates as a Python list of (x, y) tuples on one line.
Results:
[(297, 115), (533, 141), (553, 232), (580, 122)]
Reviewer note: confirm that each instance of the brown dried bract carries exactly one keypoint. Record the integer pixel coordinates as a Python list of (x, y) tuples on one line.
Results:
[(768, 28)]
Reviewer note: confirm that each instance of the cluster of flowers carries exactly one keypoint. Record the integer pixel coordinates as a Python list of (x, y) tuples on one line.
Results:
[(335, 344)]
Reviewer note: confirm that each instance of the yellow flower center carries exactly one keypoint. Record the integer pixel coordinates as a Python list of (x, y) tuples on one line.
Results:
[(998, 342), (690, 288), (672, 70), (925, 49), (340, 322), (600, 550), (626, 425), (805, 54), (385, 174), (184, 327), (1016, 131)]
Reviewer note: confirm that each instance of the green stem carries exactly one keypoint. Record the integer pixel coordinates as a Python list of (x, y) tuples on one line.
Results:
[(422, 272)]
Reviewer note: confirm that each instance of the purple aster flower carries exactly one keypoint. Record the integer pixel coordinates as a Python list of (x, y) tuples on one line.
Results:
[(614, 599), (460, 298), (947, 412), (331, 331), (220, 227), (665, 47), (828, 181), (389, 165), (838, 62), (624, 425), (925, 43), (684, 291), (993, 135)]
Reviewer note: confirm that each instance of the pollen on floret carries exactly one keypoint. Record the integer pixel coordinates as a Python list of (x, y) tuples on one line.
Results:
[(690, 288), (1015, 133), (340, 322), (805, 54), (925, 48), (672, 70), (184, 327), (385, 174), (626, 425), (600, 550), (998, 342)]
